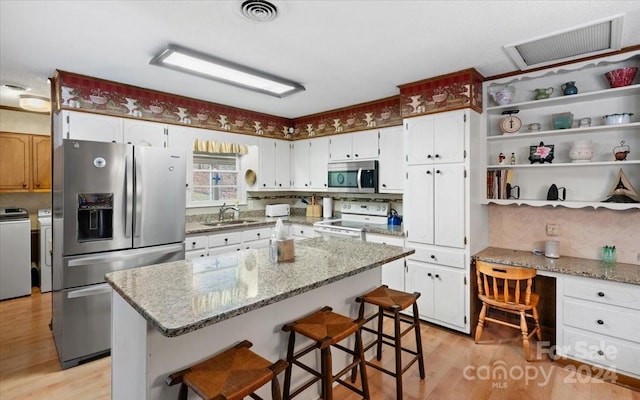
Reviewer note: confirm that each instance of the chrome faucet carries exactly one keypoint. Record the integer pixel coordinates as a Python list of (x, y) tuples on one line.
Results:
[(224, 208)]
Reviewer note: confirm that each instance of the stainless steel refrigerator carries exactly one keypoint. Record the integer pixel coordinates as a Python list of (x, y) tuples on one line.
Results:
[(115, 206)]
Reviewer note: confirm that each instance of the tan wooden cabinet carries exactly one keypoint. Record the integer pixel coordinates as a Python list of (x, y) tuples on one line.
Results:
[(25, 162)]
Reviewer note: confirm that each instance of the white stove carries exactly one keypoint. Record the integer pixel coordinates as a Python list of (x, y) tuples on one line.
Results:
[(357, 216)]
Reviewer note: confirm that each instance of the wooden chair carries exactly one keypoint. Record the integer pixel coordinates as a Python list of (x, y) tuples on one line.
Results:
[(500, 287), (230, 375)]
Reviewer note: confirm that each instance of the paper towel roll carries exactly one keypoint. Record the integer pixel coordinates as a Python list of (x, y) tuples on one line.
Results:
[(327, 207)]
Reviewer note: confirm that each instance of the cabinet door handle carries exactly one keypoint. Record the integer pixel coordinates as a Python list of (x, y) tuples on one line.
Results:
[(356, 155), (433, 257), (384, 185), (24, 185), (429, 172), (428, 155), (258, 234), (600, 322), (601, 294), (600, 352), (429, 274), (37, 185), (193, 243), (438, 276), (437, 155), (348, 155), (225, 240), (437, 171)]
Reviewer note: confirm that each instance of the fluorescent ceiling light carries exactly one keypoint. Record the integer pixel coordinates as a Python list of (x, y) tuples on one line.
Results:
[(35, 103), (217, 69)]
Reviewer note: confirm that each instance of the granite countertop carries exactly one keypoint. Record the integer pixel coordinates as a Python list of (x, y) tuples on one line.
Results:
[(195, 227), (183, 296), (619, 272)]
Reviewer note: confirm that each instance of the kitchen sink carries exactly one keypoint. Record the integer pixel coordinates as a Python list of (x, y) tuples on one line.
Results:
[(229, 222)]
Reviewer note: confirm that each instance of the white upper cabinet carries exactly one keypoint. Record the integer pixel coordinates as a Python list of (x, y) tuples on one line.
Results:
[(354, 146), (86, 126), (274, 170), (436, 138), (143, 133), (318, 160), (309, 158), (391, 161), (101, 128), (435, 204)]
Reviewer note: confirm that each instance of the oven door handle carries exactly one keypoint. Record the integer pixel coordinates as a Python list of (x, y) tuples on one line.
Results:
[(359, 178), (340, 233)]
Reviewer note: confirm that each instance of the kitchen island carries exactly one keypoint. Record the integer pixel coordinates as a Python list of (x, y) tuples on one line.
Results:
[(166, 317)]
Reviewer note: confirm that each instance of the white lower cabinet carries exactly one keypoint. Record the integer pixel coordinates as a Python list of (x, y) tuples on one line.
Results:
[(440, 277), (392, 273), (599, 323), (226, 242)]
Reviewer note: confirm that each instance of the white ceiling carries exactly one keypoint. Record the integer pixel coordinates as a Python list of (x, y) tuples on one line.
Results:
[(344, 52)]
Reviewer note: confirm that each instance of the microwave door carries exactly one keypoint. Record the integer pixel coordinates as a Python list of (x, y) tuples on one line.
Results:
[(160, 197)]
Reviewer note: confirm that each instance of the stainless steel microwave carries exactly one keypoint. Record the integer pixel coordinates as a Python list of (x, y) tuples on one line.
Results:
[(354, 176)]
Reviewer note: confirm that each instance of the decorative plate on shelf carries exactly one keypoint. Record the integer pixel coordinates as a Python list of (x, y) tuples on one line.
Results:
[(541, 153)]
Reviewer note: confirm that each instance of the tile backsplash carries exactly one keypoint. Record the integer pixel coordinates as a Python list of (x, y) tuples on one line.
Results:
[(583, 232)]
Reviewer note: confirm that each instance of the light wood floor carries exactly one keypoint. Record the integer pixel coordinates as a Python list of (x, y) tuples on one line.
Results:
[(456, 368)]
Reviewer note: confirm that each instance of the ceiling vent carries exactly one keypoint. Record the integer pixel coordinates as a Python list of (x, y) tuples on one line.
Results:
[(591, 39), (259, 10)]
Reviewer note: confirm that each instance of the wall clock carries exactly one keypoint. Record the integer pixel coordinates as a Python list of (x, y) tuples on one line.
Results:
[(510, 124)]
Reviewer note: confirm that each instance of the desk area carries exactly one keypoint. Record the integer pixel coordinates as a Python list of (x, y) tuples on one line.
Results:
[(597, 307)]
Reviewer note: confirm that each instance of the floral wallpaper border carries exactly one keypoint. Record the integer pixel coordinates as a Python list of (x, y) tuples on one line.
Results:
[(462, 89), (79, 92), (447, 92)]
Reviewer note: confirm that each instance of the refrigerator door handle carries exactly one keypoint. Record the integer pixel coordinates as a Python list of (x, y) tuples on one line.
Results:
[(90, 291), (124, 256), (128, 181), (138, 202)]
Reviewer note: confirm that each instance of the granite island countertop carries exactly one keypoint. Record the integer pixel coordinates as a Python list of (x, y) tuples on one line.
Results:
[(619, 272), (184, 296)]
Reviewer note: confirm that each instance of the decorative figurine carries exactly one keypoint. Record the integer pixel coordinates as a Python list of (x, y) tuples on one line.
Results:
[(620, 152), (501, 159), (513, 159)]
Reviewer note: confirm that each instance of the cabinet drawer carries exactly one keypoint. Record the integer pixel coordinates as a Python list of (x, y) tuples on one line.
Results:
[(225, 249), (613, 293), (302, 230), (195, 243), (598, 350), (613, 321), (225, 239), (192, 255), (385, 239), (449, 258), (256, 234)]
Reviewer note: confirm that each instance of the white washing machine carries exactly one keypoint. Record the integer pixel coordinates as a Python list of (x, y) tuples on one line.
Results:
[(15, 253), (44, 224)]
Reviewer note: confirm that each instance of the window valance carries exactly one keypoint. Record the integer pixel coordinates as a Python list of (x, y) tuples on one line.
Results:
[(210, 146)]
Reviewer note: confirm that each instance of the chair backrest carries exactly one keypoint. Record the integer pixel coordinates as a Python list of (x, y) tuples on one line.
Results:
[(502, 283)]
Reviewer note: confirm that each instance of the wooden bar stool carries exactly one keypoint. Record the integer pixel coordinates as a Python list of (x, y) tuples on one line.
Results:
[(390, 303), (231, 375), (326, 329)]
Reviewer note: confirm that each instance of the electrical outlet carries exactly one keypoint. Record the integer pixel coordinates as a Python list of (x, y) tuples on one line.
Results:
[(553, 229)]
